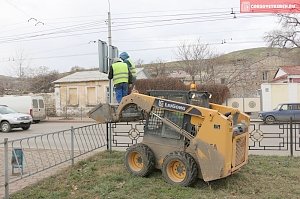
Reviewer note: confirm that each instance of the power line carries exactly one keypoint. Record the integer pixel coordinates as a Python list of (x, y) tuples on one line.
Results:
[(133, 50), (80, 29)]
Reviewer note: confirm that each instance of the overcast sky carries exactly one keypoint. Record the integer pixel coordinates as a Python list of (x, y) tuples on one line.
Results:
[(58, 33)]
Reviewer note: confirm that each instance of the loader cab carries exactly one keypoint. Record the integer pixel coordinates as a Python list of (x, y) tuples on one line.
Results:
[(198, 98), (159, 135)]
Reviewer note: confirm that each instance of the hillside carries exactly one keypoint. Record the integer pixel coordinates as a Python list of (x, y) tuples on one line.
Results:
[(282, 56), (259, 53)]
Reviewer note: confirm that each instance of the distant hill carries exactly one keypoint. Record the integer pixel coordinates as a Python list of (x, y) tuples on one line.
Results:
[(286, 57), (259, 53)]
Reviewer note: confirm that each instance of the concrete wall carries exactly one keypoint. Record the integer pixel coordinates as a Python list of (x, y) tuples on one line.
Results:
[(276, 93), (70, 103), (247, 105)]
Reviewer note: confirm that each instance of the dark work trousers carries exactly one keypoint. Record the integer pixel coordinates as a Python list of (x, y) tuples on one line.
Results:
[(121, 91)]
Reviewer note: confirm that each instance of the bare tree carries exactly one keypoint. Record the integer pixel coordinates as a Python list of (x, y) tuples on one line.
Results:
[(159, 67), (139, 63), (289, 35), (20, 62), (195, 59)]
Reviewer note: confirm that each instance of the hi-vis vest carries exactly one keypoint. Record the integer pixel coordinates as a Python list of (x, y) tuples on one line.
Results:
[(132, 68), (120, 70)]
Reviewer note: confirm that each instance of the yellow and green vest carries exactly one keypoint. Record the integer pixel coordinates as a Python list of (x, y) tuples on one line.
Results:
[(120, 70)]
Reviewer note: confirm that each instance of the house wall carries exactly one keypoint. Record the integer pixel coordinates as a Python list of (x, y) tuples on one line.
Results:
[(276, 93), (77, 98)]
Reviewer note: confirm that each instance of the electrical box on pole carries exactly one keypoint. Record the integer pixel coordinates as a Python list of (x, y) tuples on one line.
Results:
[(103, 56), (113, 53)]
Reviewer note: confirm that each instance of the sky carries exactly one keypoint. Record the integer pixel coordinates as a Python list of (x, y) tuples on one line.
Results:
[(60, 34)]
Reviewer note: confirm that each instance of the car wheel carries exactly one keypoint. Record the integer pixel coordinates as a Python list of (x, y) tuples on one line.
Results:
[(26, 127), (270, 119), (5, 127)]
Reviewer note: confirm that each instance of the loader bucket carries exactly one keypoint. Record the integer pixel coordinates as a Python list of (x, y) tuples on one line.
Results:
[(103, 113)]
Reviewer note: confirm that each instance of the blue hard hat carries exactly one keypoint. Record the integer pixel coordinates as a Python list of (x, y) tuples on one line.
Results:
[(124, 55)]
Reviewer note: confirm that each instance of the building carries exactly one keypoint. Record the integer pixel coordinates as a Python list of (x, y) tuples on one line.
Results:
[(77, 93), (287, 74), (284, 88)]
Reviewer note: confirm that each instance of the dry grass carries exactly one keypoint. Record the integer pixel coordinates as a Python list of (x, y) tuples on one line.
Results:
[(104, 176)]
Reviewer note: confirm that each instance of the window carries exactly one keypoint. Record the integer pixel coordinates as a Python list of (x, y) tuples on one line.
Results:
[(73, 97), (223, 80), (265, 75), (284, 107), (41, 103), (35, 103), (91, 96)]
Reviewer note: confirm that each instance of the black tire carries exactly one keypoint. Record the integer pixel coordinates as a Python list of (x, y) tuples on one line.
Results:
[(26, 127), (270, 119), (139, 160), (5, 127), (180, 168), (36, 121)]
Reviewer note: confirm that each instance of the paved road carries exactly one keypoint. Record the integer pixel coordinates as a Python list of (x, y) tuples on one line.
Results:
[(40, 128)]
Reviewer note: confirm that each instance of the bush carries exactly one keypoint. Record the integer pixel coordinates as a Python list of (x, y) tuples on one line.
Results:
[(219, 92), (142, 85)]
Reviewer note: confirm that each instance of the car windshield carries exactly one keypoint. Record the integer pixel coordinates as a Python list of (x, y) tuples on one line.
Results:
[(6, 110)]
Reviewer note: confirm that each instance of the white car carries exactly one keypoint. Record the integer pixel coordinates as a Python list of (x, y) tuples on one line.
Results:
[(10, 119)]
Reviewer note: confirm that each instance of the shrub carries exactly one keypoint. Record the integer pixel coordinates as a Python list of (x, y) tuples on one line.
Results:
[(219, 92), (143, 85)]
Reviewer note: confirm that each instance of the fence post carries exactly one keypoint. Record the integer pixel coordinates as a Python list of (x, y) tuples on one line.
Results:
[(291, 137), (72, 145), (6, 180), (107, 138)]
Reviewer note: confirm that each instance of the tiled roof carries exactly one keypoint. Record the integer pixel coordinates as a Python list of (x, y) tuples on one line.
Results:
[(291, 70)]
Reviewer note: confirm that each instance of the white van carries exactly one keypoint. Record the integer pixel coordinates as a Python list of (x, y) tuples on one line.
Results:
[(32, 105)]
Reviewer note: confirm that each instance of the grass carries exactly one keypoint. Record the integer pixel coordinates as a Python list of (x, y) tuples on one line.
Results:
[(104, 176)]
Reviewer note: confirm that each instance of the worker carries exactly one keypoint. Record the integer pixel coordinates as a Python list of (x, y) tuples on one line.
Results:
[(121, 76), (126, 59)]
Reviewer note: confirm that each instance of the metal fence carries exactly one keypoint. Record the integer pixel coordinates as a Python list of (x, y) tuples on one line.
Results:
[(28, 156), (278, 139)]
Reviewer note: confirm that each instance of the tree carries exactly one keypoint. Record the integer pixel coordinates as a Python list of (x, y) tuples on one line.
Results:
[(195, 59), (76, 69), (139, 63), (159, 68), (289, 35), (20, 62), (42, 83)]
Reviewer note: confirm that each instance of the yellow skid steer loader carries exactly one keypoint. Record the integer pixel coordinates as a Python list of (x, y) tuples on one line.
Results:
[(185, 136)]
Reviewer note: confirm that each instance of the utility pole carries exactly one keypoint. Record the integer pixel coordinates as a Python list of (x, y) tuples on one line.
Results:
[(109, 49), (110, 81)]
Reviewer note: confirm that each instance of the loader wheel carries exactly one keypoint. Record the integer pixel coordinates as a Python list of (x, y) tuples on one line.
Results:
[(180, 168), (139, 160), (270, 120)]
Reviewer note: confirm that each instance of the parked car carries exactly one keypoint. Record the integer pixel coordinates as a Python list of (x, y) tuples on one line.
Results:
[(32, 105), (282, 113), (10, 119)]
